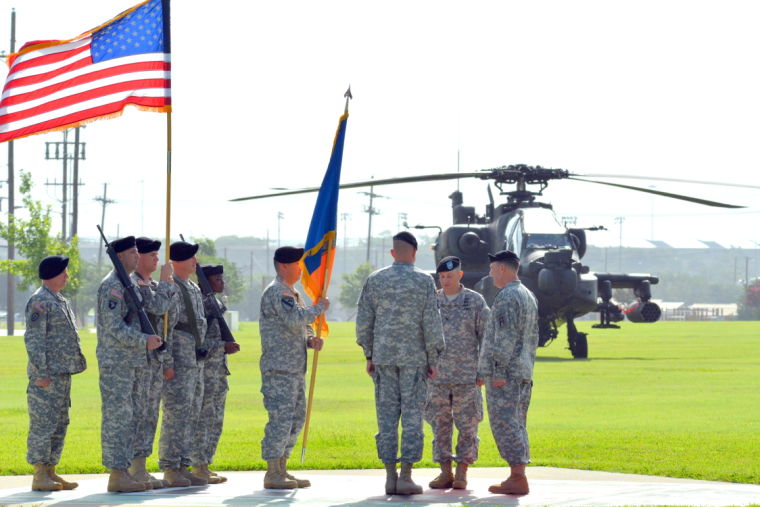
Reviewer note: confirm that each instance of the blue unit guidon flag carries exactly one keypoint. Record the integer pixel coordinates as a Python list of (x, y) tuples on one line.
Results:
[(58, 84), (319, 250)]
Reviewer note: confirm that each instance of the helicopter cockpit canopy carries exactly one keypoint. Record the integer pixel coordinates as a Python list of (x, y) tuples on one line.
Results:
[(536, 229)]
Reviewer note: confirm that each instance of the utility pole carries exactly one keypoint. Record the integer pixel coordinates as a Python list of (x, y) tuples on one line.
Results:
[(280, 216), (370, 210), (619, 221), (104, 201), (10, 278), (61, 152)]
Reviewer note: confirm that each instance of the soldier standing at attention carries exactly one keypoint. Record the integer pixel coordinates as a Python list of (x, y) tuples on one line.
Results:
[(215, 371), (179, 418), (399, 327), (52, 344), (121, 355), (506, 368), (286, 333), (157, 300), (453, 397)]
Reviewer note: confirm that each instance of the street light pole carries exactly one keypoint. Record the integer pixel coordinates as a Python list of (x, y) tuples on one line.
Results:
[(619, 221)]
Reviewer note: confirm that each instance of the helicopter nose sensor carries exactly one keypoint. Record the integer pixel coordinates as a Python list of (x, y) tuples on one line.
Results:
[(470, 242)]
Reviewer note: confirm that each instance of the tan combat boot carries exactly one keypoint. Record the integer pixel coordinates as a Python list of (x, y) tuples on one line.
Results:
[(404, 484), (445, 478), (203, 472), (275, 478), (139, 473), (41, 481), (516, 483), (120, 482), (175, 479), (211, 472), (391, 477), (194, 479), (460, 477), (302, 483), (60, 480)]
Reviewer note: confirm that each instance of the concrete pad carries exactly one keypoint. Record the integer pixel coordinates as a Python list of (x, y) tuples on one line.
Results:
[(549, 486)]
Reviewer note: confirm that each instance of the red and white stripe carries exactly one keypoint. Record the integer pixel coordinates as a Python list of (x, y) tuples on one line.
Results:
[(59, 85)]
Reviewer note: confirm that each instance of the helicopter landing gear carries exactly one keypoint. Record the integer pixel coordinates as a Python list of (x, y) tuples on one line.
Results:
[(577, 341)]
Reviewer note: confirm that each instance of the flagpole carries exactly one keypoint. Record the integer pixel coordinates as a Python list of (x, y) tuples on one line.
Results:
[(320, 321), (168, 203), (313, 379)]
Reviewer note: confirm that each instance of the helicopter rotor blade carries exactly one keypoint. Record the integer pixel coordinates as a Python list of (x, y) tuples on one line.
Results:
[(374, 183), (661, 193), (657, 178)]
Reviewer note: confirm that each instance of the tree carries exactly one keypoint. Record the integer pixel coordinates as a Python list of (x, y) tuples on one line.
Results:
[(34, 243), (352, 284), (749, 307)]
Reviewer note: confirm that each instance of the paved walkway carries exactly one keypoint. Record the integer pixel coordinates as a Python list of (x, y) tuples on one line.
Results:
[(549, 486)]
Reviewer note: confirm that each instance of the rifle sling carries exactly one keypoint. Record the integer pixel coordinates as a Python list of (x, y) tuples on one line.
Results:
[(192, 325)]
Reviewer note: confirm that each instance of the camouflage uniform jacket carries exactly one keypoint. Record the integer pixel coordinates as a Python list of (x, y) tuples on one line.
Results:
[(214, 333), (464, 325), (183, 340), (398, 323), (511, 338), (51, 338), (284, 326), (158, 299), (120, 340)]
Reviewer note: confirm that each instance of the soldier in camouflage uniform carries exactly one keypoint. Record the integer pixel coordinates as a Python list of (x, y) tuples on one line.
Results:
[(208, 427), (453, 397), (399, 327), (506, 368), (286, 333), (158, 299), (52, 344), (176, 443), (121, 356)]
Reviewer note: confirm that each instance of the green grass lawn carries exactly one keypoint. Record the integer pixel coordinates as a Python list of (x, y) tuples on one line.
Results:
[(674, 399)]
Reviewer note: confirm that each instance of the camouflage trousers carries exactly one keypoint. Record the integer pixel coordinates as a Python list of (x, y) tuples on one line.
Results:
[(285, 402), (454, 404), (208, 426), (399, 394), (507, 413), (119, 388), (48, 419), (180, 413), (151, 379)]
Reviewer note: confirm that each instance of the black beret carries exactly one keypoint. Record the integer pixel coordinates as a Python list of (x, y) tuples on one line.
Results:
[(181, 251), (52, 266), (119, 245), (209, 270), (147, 245), (288, 254), (449, 263), (504, 256), (406, 237)]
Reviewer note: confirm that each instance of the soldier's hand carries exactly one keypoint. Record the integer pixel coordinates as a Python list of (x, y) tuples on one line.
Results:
[(169, 374), (316, 343), (42, 382), (154, 341), (231, 347), (324, 303), (432, 372), (370, 367), (499, 382), (167, 270)]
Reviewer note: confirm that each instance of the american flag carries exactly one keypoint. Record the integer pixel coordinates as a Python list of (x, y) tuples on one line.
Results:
[(52, 85)]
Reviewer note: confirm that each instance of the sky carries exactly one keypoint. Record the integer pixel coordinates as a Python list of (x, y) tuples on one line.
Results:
[(646, 88)]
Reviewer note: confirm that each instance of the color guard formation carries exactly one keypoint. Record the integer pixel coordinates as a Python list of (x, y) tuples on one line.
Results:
[(428, 352)]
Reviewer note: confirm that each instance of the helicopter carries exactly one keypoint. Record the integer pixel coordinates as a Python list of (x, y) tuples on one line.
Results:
[(550, 253)]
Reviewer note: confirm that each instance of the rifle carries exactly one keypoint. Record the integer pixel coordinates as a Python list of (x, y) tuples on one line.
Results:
[(129, 289), (216, 311)]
